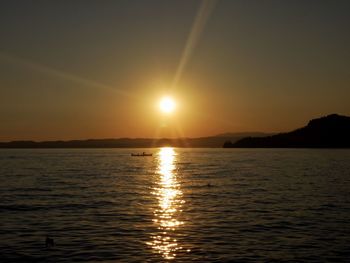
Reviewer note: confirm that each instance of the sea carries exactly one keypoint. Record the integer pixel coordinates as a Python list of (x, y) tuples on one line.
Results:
[(178, 205)]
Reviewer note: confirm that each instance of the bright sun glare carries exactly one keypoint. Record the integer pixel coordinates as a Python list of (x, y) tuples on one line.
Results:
[(167, 105)]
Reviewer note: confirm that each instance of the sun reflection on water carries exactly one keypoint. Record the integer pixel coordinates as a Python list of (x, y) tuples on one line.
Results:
[(169, 194)]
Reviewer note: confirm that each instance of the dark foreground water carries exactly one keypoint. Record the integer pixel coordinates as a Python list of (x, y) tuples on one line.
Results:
[(181, 205)]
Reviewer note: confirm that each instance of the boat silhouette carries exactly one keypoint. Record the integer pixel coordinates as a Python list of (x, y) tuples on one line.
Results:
[(141, 154)]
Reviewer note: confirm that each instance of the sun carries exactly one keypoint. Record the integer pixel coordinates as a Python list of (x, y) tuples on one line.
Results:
[(167, 105)]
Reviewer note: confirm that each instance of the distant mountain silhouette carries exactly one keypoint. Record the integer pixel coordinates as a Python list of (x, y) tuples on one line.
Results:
[(203, 142), (332, 131)]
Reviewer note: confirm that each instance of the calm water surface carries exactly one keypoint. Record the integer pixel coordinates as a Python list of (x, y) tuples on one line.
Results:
[(181, 205)]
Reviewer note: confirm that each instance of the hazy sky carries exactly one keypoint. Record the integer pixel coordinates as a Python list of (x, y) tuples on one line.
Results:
[(97, 69)]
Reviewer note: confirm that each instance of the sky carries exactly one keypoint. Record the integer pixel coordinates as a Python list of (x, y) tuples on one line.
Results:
[(98, 69)]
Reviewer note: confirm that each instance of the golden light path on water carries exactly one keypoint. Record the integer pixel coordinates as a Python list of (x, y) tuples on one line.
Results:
[(168, 192)]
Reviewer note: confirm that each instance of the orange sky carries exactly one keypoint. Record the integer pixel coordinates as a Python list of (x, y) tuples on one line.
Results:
[(77, 70)]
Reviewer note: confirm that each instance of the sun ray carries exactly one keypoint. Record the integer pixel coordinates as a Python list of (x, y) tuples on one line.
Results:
[(18, 61), (204, 12)]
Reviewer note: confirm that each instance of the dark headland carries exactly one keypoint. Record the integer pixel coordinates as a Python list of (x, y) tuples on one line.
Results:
[(332, 131)]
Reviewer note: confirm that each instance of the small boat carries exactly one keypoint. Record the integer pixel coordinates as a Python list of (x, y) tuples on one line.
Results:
[(141, 154)]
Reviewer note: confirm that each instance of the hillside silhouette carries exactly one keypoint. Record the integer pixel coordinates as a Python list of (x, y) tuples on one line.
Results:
[(202, 142), (332, 131)]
